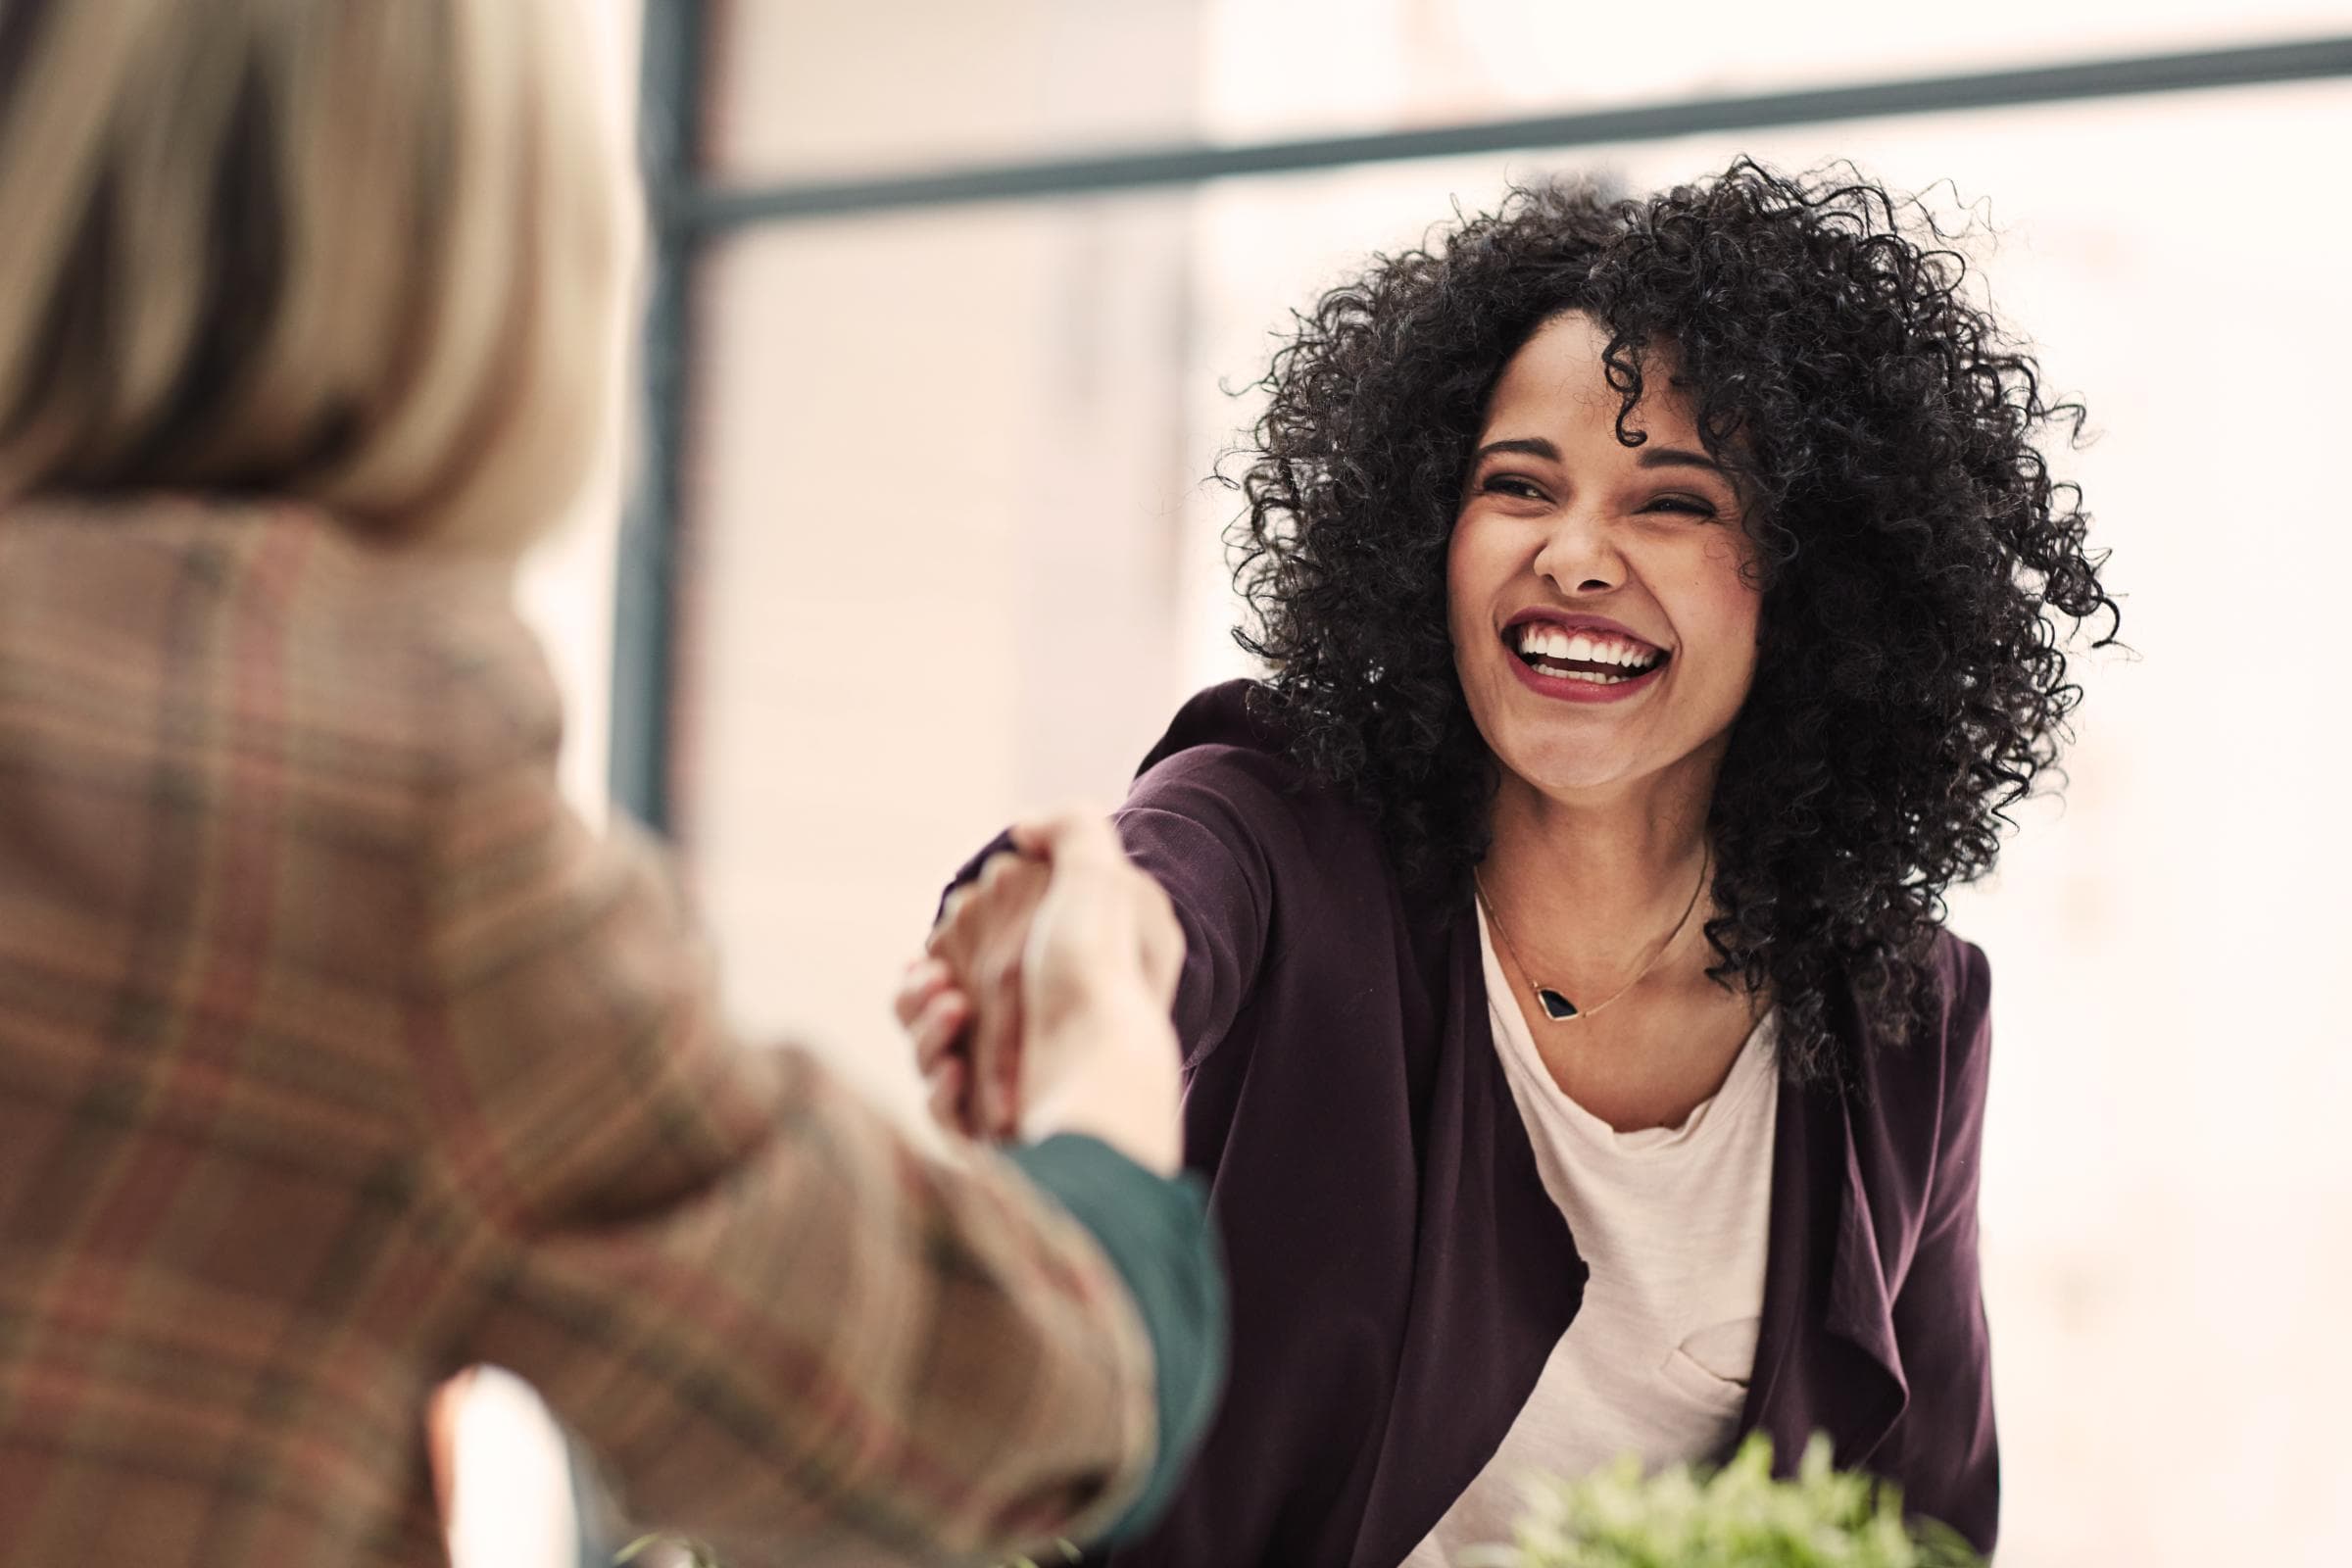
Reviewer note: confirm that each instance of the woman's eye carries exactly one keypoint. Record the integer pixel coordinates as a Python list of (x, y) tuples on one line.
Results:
[(1510, 484), (1682, 503)]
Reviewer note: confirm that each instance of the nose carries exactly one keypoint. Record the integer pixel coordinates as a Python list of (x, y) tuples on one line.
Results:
[(1579, 555)]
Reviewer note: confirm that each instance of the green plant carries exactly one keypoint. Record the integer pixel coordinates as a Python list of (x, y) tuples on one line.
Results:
[(1736, 1517)]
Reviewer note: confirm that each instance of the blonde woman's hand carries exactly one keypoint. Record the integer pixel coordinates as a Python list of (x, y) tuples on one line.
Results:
[(1041, 1001), (1099, 974)]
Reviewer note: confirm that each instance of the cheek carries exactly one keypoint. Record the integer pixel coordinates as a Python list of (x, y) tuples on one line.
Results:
[(1468, 584), (1721, 603)]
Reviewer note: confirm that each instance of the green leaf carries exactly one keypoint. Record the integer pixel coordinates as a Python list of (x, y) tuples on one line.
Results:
[(1739, 1517)]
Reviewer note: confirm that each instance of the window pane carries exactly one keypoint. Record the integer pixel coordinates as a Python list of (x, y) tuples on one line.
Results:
[(831, 87), (1309, 67), (937, 509)]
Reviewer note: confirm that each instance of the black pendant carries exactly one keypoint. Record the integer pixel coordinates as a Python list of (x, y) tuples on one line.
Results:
[(1555, 1005)]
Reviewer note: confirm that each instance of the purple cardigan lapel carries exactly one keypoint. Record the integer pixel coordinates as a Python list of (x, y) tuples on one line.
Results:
[(1496, 1275), (1826, 1355)]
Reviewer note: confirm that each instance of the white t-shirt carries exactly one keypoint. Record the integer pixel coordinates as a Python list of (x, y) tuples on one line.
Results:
[(1674, 1223)]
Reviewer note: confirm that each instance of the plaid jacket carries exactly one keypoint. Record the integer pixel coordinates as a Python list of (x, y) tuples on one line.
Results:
[(335, 1056)]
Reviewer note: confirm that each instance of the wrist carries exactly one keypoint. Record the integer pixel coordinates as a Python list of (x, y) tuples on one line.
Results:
[(1115, 1076)]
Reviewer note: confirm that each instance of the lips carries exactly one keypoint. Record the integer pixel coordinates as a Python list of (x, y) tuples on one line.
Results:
[(1580, 659)]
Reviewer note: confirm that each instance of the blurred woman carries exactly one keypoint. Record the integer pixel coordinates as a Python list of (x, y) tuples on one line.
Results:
[(335, 1054), (1663, 600)]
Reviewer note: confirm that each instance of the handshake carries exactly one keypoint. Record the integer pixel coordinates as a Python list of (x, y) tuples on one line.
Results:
[(1040, 1004)]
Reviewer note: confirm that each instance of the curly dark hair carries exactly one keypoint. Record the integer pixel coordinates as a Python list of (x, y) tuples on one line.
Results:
[(1914, 551)]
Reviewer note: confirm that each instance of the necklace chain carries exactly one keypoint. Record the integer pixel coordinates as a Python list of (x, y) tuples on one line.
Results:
[(1545, 994)]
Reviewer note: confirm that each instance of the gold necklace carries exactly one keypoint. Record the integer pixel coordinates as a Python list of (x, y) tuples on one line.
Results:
[(1555, 1004)]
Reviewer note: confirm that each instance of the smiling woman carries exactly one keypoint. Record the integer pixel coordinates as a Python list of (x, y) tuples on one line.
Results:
[(1663, 597)]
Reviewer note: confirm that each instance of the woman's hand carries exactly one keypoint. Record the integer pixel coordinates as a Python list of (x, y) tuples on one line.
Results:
[(1104, 925), (960, 1004), (1098, 976), (934, 1012), (1043, 1004)]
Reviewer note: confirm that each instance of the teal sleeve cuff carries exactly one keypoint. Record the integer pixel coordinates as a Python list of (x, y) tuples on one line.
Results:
[(1158, 1234)]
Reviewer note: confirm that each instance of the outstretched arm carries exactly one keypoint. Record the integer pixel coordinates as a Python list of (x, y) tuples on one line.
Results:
[(779, 1326)]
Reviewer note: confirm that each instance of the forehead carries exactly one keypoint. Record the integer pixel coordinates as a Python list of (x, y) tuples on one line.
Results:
[(1556, 380)]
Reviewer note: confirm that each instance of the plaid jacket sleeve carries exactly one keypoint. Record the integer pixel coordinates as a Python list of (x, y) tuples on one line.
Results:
[(782, 1328)]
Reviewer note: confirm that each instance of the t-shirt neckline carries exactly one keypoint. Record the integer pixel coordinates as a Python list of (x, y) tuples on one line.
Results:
[(1518, 1046)]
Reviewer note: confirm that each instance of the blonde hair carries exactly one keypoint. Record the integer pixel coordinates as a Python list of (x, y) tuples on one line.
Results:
[(363, 253)]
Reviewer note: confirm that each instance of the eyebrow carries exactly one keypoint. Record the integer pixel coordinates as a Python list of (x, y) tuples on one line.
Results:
[(1653, 456), (1535, 445), (1677, 457)]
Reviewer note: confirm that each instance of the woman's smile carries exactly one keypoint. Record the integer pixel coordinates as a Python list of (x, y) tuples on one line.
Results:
[(1582, 658)]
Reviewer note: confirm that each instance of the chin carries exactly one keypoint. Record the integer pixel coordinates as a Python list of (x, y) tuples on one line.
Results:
[(1583, 785), (1564, 769)]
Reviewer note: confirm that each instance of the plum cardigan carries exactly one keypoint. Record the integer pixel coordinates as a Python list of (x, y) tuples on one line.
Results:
[(1399, 1274)]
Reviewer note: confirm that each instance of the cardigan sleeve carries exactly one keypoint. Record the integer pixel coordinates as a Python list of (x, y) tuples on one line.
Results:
[(1199, 822), (1940, 1311), (780, 1328)]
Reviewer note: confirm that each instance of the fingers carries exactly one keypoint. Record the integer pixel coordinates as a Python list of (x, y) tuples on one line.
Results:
[(947, 1083), (964, 999), (965, 911), (918, 983), (996, 1073), (952, 909), (940, 1027), (1008, 1106), (996, 1035)]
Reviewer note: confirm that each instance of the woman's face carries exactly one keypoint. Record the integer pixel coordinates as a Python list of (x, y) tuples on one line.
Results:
[(1604, 626)]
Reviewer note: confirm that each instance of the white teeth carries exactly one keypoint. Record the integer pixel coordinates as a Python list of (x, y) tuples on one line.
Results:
[(1537, 640)]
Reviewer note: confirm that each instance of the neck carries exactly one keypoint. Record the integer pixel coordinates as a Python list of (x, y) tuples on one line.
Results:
[(1599, 877)]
